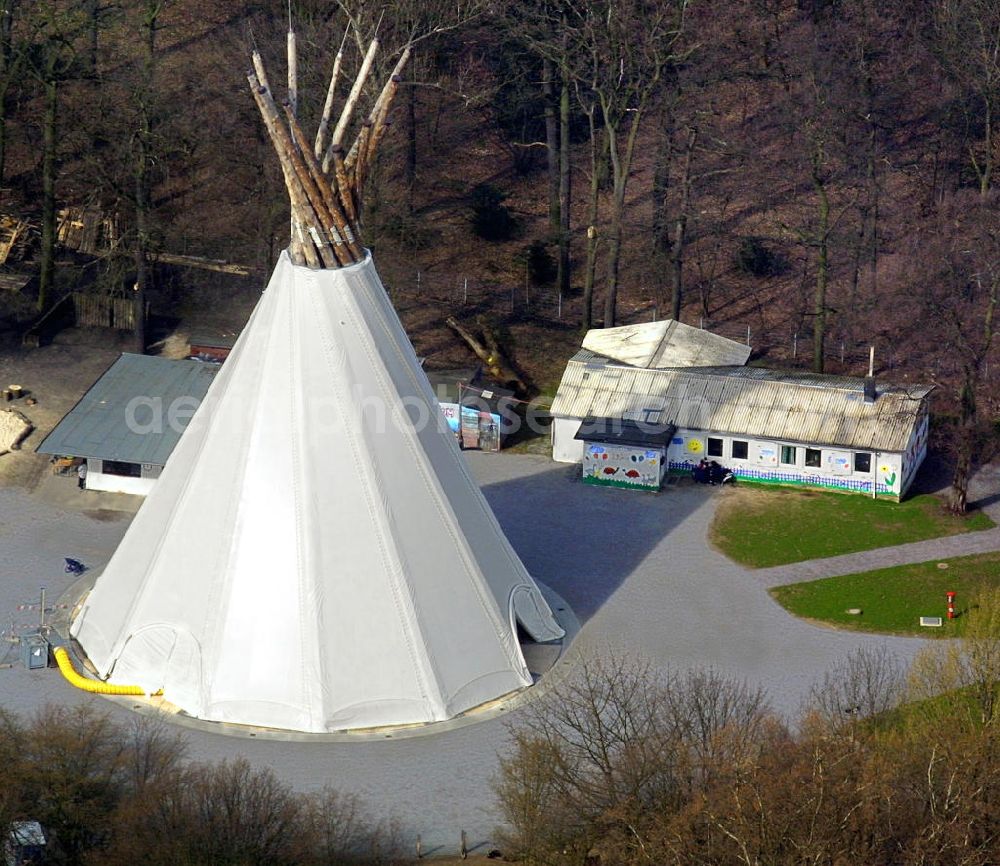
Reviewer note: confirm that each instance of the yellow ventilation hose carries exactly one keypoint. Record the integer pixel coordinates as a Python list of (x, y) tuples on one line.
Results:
[(95, 686)]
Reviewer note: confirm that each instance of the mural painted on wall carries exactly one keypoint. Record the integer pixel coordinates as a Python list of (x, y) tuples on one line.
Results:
[(762, 476), (888, 476), (622, 466)]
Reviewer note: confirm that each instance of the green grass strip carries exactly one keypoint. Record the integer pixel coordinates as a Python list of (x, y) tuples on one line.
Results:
[(892, 600), (764, 527)]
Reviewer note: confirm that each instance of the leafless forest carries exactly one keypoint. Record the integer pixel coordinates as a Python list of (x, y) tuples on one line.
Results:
[(817, 175)]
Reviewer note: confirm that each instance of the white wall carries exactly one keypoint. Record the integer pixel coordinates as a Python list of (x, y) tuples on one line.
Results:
[(566, 449), (97, 480), (763, 462)]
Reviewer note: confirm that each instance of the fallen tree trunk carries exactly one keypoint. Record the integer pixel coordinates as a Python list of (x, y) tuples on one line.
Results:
[(497, 364)]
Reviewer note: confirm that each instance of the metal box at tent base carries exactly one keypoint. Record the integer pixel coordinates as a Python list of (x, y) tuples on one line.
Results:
[(35, 651)]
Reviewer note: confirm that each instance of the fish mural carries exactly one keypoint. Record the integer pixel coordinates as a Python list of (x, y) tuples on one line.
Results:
[(618, 466)]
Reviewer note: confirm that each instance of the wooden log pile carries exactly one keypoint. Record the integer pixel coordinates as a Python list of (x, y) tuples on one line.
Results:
[(324, 180), (16, 235), (87, 230)]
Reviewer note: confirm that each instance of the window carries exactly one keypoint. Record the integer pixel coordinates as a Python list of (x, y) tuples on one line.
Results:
[(714, 447), (788, 454), (814, 457), (128, 470), (651, 416), (740, 449), (862, 462)]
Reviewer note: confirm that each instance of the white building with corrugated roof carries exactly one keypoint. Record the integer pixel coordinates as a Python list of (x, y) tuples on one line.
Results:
[(767, 426)]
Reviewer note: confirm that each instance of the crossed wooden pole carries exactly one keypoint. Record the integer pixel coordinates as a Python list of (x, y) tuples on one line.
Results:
[(324, 181)]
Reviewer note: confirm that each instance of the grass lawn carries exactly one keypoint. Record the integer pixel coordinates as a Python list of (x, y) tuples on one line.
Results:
[(765, 527), (893, 599)]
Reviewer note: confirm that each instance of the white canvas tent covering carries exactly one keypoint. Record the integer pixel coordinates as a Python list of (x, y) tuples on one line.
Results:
[(314, 557)]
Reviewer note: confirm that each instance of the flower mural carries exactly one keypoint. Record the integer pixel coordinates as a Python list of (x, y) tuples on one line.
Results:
[(888, 475)]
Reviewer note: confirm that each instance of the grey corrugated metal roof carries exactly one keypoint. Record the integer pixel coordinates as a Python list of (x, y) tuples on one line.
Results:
[(623, 432), (663, 344), (98, 427), (772, 404)]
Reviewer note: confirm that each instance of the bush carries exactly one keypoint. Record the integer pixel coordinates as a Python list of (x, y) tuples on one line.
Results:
[(541, 264), (754, 257), (491, 219)]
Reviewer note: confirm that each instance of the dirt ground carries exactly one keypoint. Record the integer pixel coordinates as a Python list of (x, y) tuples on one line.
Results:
[(56, 376)]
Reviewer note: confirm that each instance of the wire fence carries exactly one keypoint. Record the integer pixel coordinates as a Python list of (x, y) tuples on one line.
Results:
[(787, 343)]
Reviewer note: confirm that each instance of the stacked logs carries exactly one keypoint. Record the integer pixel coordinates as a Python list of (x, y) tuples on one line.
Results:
[(324, 182)]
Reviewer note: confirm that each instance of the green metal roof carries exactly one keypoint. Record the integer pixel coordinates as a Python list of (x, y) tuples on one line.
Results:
[(126, 415)]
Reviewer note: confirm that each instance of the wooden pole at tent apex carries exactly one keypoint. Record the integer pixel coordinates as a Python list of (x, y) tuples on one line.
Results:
[(325, 187)]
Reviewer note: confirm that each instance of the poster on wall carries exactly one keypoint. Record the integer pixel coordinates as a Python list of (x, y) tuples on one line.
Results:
[(767, 454), (479, 429), (838, 462)]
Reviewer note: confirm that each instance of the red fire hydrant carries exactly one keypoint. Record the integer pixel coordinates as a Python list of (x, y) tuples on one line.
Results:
[(951, 604)]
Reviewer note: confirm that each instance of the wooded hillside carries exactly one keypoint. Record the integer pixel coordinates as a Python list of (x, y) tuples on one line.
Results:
[(816, 176)]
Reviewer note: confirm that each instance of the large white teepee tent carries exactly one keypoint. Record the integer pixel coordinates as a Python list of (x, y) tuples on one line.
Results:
[(316, 555)]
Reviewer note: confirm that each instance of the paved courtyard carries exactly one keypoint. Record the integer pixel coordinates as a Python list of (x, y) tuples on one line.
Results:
[(634, 567)]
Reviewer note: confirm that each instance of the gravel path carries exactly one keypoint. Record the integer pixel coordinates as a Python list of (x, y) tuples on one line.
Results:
[(634, 567)]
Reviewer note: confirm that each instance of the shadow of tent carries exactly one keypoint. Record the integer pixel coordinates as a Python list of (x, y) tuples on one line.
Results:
[(584, 541)]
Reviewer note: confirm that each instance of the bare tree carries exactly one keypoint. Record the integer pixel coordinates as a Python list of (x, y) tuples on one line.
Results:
[(53, 61), (616, 52), (950, 291), (589, 759), (964, 36), (865, 683)]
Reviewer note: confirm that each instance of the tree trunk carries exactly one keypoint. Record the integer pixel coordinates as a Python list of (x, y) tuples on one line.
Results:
[(621, 164), (410, 166), (986, 179), (47, 268), (959, 493), (822, 268), (6, 25), (595, 188), (614, 253), (661, 187), (143, 160), (551, 145), (142, 242), (489, 351), (565, 189), (93, 26), (680, 230)]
